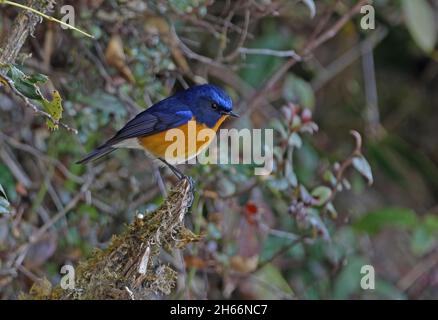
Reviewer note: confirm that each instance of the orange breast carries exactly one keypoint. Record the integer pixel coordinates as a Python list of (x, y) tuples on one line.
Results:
[(185, 146)]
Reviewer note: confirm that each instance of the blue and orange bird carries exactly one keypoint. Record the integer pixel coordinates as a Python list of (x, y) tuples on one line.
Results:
[(207, 105)]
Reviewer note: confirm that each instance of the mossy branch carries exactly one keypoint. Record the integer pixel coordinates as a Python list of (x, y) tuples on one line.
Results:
[(24, 25), (130, 268), (50, 18)]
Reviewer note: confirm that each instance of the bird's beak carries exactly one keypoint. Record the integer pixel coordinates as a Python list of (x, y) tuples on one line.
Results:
[(232, 114)]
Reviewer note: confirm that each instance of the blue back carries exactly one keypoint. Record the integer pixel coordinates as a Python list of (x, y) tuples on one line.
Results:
[(198, 100)]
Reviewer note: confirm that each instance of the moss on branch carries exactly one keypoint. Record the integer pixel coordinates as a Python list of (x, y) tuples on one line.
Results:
[(130, 267), (23, 26)]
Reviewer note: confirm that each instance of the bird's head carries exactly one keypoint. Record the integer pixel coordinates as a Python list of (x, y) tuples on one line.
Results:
[(208, 103)]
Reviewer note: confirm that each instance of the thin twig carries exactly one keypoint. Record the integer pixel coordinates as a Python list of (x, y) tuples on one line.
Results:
[(324, 20), (11, 3), (280, 252), (15, 167), (38, 154), (347, 58), (271, 52), (312, 45), (334, 29), (227, 23), (242, 39), (73, 202), (372, 113), (191, 54), (421, 268)]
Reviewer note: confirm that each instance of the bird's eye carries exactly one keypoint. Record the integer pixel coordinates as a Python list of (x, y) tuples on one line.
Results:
[(215, 106)]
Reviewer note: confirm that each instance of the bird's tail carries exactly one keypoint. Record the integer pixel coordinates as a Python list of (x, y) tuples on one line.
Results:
[(97, 153)]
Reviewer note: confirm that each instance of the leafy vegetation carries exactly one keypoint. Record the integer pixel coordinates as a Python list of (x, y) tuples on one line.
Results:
[(355, 172)]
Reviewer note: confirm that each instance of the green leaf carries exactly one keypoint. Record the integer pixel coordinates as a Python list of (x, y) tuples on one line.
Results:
[(54, 108), (348, 280), (363, 167), (185, 6), (73, 237), (27, 84), (422, 241), (295, 140), (431, 223), (89, 211), (4, 203), (321, 194), (271, 244), (271, 275), (420, 21), (278, 126), (386, 290), (37, 78), (424, 236), (332, 210), (2, 192), (28, 89), (329, 177), (290, 174), (298, 91), (4, 206), (278, 184), (375, 221), (14, 73)]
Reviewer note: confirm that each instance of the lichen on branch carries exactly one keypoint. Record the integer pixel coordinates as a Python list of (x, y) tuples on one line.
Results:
[(22, 27), (130, 267)]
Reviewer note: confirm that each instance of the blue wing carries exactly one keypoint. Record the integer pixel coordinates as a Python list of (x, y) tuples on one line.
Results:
[(167, 114), (150, 122)]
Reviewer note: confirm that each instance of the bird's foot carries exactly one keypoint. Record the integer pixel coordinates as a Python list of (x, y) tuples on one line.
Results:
[(178, 173)]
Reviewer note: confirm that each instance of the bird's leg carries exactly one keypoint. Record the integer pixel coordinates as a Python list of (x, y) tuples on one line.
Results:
[(178, 173), (175, 171), (181, 176)]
